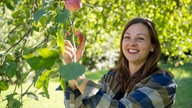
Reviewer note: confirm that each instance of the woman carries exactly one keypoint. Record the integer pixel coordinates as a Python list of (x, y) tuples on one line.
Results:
[(135, 82)]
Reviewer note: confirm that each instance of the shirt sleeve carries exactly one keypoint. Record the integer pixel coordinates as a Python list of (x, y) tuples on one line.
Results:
[(72, 98), (156, 91)]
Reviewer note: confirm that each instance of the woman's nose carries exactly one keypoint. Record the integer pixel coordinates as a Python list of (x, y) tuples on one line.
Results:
[(132, 42)]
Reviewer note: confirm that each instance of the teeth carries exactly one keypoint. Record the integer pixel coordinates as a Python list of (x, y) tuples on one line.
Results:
[(133, 51)]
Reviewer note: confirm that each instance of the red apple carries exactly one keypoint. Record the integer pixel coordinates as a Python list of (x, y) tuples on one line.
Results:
[(73, 5)]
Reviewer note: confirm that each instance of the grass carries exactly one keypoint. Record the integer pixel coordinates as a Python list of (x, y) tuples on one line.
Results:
[(183, 77)]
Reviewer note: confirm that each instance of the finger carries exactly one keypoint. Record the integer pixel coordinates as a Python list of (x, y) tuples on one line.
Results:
[(70, 50), (80, 36), (80, 50), (68, 54), (68, 43), (82, 44), (68, 57)]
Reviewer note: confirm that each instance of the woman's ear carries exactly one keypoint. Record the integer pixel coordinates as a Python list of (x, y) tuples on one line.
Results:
[(152, 49)]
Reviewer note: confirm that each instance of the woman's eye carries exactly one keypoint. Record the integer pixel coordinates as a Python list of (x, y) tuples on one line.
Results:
[(140, 39), (126, 37)]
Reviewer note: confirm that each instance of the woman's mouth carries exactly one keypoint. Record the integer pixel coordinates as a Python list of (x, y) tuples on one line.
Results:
[(132, 51)]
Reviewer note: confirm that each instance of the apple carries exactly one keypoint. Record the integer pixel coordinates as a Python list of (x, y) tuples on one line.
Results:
[(73, 5)]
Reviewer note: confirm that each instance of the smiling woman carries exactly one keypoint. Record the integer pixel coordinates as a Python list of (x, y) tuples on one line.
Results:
[(136, 45), (136, 81)]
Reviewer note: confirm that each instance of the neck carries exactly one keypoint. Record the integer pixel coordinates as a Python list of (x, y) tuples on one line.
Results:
[(134, 67)]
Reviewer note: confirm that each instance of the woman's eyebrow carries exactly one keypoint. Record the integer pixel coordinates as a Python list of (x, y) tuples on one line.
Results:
[(141, 34), (127, 33), (137, 34)]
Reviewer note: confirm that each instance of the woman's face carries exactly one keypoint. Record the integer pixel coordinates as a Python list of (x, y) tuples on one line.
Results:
[(136, 43)]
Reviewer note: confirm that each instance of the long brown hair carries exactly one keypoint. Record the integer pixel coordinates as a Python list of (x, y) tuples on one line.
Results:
[(150, 66)]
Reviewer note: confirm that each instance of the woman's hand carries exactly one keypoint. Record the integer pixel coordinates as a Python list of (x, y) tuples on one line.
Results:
[(70, 52), (74, 83)]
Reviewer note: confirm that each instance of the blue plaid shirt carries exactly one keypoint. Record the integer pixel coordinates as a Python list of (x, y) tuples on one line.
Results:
[(156, 91)]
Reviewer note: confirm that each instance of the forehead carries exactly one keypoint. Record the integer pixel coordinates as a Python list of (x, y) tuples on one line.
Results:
[(137, 28)]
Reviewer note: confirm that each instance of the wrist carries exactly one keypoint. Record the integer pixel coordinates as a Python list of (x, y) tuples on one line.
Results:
[(82, 85), (72, 84)]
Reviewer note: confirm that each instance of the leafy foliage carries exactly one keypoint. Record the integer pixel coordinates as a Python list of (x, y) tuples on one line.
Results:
[(32, 37), (32, 43)]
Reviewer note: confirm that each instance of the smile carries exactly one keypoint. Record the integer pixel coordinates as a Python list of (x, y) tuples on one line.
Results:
[(133, 51)]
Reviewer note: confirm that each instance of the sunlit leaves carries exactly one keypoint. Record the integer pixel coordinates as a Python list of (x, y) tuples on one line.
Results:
[(40, 63), (44, 59), (71, 71), (48, 53)]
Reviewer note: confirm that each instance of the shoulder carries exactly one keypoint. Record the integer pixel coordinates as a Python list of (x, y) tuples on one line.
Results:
[(162, 82), (158, 88), (163, 78)]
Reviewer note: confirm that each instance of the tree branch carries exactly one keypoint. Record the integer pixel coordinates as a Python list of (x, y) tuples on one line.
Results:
[(26, 34)]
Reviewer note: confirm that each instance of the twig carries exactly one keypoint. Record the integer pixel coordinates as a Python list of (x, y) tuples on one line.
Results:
[(26, 34), (73, 37), (26, 91), (44, 41), (9, 33)]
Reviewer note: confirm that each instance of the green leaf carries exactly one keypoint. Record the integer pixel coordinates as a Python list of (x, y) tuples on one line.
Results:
[(43, 20), (53, 30), (22, 78), (48, 53), (10, 6), (11, 70), (32, 95), (3, 86), (14, 103), (43, 81), (36, 28), (71, 71), (62, 83), (38, 72), (38, 15), (11, 96), (45, 87), (10, 56), (60, 41), (62, 17), (43, 94), (42, 78), (16, 13), (37, 63)]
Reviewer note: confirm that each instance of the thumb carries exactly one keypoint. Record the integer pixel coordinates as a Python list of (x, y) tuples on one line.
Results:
[(81, 47)]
